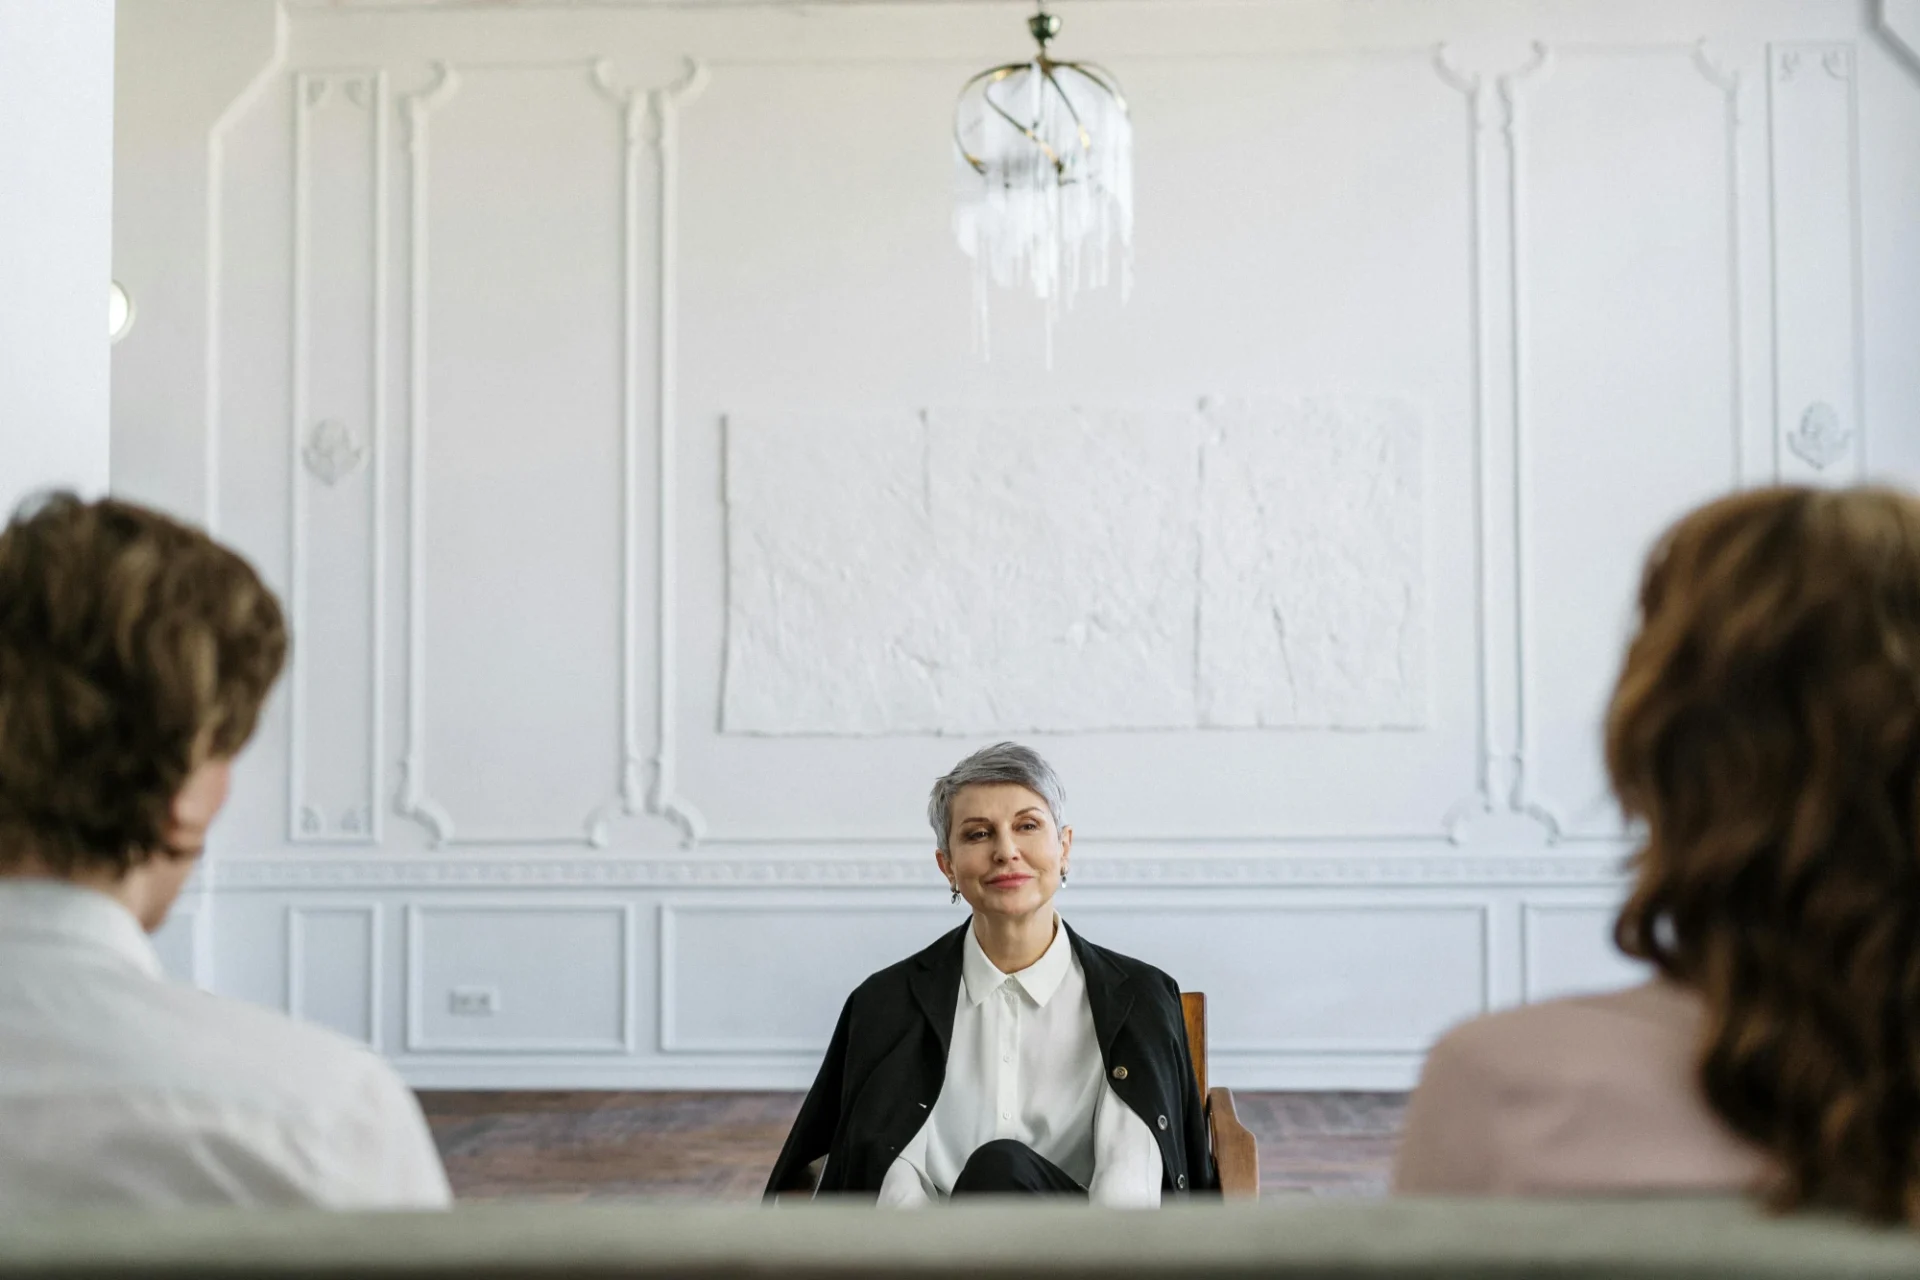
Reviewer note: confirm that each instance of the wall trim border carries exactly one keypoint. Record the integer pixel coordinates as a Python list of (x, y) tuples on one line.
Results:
[(230, 874)]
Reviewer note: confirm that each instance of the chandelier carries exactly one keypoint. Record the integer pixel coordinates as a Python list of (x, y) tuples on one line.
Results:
[(1045, 168)]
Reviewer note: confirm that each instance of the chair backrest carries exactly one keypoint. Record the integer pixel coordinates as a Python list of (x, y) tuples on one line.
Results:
[(1193, 1006)]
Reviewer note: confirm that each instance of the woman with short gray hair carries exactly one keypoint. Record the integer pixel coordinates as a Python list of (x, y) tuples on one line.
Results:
[(1012, 1055)]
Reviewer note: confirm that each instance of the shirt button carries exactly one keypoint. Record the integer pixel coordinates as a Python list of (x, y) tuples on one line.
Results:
[(1163, 1122), (1006, 1115), (1181, 1182), (1119, 1073)]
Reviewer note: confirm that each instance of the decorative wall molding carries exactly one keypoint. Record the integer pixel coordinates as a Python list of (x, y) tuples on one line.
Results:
[(1480, 126), (1731, 81), (333, 452), (1520, 785), (1819, 394), (652, 120), (330, 452), (216, 260), (1503, 790), (238, 874), (663, 797), (634, 105), (297, 917), (1821, 440), (649, 116), (414, 802)]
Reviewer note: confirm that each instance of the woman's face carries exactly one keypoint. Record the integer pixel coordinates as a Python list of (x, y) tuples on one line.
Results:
[(1003, 851)]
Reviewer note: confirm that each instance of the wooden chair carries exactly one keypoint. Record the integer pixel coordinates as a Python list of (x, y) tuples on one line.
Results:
[(1235, 1153)]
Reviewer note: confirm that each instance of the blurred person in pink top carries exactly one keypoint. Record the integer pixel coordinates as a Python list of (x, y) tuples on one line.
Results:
[(1765, 732)]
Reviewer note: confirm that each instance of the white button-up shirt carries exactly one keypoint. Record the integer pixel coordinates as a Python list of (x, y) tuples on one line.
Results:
[(1025, 1064), (121, 1088)]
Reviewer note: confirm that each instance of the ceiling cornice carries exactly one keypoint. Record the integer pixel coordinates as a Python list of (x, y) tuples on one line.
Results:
[(1900, 23)]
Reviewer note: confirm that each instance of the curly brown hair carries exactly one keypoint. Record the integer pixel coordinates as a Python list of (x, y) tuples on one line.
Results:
[(133, 649), (1766, 730)]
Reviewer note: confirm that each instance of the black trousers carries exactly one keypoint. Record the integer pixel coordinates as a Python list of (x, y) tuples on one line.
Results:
[(1004, 1167)]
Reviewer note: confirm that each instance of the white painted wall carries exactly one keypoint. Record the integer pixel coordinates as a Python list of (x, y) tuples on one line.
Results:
[(654, 535), (56, 204)]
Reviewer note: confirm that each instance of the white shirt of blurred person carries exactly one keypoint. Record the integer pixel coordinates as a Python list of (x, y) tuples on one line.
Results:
[(135, 654)]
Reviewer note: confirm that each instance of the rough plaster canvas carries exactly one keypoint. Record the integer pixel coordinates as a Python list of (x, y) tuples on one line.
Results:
[(1312, 571), (952, 573), (1248, 564)]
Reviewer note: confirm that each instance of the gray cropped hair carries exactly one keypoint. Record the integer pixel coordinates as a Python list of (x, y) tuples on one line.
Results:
[(1003, 762)]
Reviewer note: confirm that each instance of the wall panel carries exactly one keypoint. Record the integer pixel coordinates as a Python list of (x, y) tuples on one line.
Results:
[(1819, 377), (771, 978), (1567, 949), (335, 969), (517, 455), (1308, 566), (337, 466), (1625, 222), (519, 978), (182, 942), (1287, 282)]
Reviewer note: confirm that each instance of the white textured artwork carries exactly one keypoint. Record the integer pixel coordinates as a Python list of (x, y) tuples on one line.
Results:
[(958, 573), (1249, 564), (1312, 574)]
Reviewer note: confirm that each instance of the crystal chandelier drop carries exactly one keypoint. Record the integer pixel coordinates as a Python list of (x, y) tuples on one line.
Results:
[(1045, 167)]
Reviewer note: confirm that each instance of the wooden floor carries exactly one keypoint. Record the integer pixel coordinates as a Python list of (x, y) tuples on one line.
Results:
[(587, 1146)]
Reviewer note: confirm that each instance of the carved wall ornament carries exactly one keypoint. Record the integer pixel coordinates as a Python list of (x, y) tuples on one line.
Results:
[(1837, 63), (353, 822), (1821, 439), (333, 452)]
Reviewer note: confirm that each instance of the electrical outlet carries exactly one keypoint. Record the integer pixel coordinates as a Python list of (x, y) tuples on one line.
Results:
[(474, 1002)]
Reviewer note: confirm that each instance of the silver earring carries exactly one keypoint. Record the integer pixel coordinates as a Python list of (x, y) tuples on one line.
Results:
[(1063, 879), (956, 893)]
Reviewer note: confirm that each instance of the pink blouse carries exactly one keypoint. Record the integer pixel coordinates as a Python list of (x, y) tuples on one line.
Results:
[(1595, 1094)]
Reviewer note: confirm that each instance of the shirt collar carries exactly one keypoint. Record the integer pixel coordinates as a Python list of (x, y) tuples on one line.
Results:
[(1039, 980), (69, 913)]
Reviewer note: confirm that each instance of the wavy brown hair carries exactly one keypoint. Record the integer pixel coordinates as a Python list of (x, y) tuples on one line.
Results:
[(1766, 730), (133, 649)]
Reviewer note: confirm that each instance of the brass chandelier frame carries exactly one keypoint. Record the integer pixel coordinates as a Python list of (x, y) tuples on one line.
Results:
[(1044, 26)]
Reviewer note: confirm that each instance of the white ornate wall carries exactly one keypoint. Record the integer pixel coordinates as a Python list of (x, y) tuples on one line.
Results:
[(598, 386), (56, 199)]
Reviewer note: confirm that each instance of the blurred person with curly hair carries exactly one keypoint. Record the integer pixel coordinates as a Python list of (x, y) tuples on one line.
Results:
[(1765, 733), (135, 657)]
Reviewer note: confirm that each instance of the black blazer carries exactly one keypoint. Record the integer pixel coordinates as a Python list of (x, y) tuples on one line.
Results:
[(888, 1060)]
